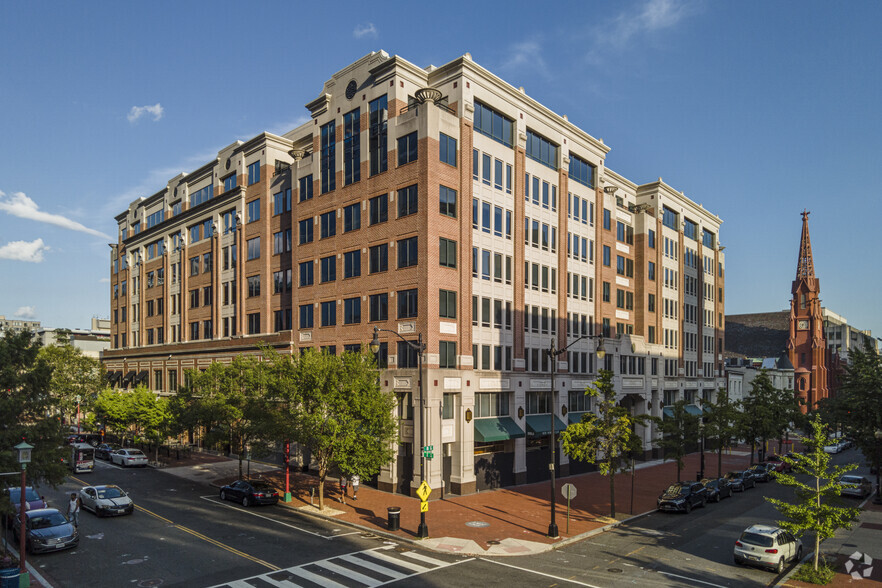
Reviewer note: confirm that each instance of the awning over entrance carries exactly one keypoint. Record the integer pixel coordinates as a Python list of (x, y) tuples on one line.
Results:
[(540, 424), (693, 410), (128, 378), (575, 417), (141, 378), (496, 429), (668, 412)]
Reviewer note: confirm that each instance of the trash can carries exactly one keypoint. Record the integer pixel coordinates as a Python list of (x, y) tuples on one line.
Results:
[(394, 518), (9, 578)]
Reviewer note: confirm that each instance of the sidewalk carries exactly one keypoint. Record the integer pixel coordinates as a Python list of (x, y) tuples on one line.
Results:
[(506, 521)]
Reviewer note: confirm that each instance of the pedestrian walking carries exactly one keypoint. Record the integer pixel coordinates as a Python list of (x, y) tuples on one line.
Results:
[(73, 509), (343, 482), (354, 483)]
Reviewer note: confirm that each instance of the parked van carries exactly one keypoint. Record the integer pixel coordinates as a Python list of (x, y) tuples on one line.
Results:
[(82, 458)]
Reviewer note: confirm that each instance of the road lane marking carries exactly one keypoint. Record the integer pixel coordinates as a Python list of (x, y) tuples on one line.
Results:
[(207, 539), (216, 501), (691, 579), (558, 578)]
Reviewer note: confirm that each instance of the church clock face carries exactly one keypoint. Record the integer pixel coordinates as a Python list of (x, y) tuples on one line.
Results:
[(802, 325)]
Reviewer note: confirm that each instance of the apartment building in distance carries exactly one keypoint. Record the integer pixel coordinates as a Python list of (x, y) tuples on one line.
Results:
[(440, 202)]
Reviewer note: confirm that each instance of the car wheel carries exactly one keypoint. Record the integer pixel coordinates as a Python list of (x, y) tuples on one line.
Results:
[(245, 501), (703, 501), (799, 554), (780, 567), (223, 495), (719, 497), (688, 507)]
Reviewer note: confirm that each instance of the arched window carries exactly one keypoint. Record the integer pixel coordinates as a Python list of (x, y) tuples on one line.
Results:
[(802, 383)]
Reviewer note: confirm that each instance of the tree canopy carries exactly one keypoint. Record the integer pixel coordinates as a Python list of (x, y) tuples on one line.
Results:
[(676, 433), (719, 425)]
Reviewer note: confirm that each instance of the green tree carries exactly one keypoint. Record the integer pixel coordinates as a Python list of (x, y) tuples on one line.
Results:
[(677, 433), (607, 436), (27, 410), (767, 413), (113, 409), (341, 414), (151, 416), (719, 425), (73, 375), (817, 509)]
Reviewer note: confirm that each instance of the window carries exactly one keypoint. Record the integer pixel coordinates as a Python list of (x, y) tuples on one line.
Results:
[(669, 218), (378, 208), (407, 303), (207, 299), (352, 264), (306, 316), (253, 247), (448, 201), (253, 286), (306, 273), (606, 291), (281, 241), (378, 139), (650, 239), (447, 149), (207, 329), (379, 307), (497, 174), (253, 173), (198, 197), (352, 147), (486, 171), (379, 258), (254, 323), (329, 268), (447, 304), (306, 188), (485, 217), (447, 354), (328, 157), (407, 148), (328, 224), (352, 311), (229, 182), (407, 201), (447, 252), (279, 282), (195, 233), (606, 255), (329, 313), (407, 357), (352, 217), (254, 210), (194, 270), (581, 171), (282, 320), (194, 331), (493, 124), (607, 219), (541, 149), (305, 230), (707, 238), (407, 252), (282, 202), (690, 229)]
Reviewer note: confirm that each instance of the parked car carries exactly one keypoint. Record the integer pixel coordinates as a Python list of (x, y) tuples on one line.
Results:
[(741, 480), (34, 501), (780, 464), (104, 450), (92, 439), (250, 492), (767, 547), (46, 529), (762, 472), (128, 457), (855, 486), (682, 496), (717, 488), (106, 500), (834, 447)]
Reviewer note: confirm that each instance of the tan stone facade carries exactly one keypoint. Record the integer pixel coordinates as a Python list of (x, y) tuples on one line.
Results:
[(542, 242)]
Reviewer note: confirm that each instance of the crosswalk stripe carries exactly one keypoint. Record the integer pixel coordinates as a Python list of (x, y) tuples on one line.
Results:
[(424, 558), (320, 580), (397, 562), (349, 573), (360, 561)]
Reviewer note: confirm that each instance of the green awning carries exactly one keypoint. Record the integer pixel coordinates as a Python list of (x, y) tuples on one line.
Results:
[(706, 408), (668, 412), (496, 429), (692, 409), (575, 417), (540, 424)]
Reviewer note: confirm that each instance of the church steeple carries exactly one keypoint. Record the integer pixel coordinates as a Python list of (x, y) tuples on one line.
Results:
[(805, 265)]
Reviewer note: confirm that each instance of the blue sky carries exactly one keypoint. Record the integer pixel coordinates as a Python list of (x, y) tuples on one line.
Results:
[(757, 110)]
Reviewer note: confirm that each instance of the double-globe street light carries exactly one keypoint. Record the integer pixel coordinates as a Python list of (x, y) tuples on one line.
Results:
[(420, 348), (552, 357), (24, 458)]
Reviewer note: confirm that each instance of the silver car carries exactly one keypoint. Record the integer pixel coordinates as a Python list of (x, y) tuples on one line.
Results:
[(855, 486), (106, 500), (128, 457), (767, 547)]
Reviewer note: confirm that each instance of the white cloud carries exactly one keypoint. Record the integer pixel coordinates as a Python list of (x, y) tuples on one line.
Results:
[(652, 16), (23, 251), (138, 111), (26, 312), (104, 281), (526, 56), (365, 30), (23, 207)]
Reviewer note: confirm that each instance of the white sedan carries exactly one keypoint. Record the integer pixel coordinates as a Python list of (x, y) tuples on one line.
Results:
[(833, 448), (106, 500), (128, 457)]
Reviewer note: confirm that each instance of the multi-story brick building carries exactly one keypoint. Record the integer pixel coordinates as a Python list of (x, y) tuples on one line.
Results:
[(440, 202)]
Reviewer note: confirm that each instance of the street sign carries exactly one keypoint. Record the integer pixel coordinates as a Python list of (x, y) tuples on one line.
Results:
[(423, 491), (568, 491), (424, 506)]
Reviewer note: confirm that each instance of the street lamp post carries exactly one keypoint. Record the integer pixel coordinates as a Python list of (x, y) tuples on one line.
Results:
[(878, 435), (420, 348), (24, 458), (552, 358)]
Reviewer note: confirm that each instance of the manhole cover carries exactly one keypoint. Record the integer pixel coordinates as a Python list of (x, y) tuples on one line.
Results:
[(615, 570), (493, 542), (477, 524)]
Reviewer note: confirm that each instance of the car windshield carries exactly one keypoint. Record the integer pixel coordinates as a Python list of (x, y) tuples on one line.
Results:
[(262, 486), (734, 475), (49, 520), (674, 490), (710, 483), (110, 492), (30, 495), (851, 480), (756, 539), (135, 452)]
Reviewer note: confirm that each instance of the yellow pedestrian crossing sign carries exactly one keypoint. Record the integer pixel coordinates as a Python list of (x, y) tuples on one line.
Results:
[(423, 491), (424, 506)]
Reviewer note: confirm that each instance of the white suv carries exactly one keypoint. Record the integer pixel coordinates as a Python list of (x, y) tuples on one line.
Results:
[(767, 547)]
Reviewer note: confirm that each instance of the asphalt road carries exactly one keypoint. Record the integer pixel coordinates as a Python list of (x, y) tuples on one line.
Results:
[(181, 534)]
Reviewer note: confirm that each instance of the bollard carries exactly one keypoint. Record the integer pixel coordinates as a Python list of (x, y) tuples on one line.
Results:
[(394, 518)]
